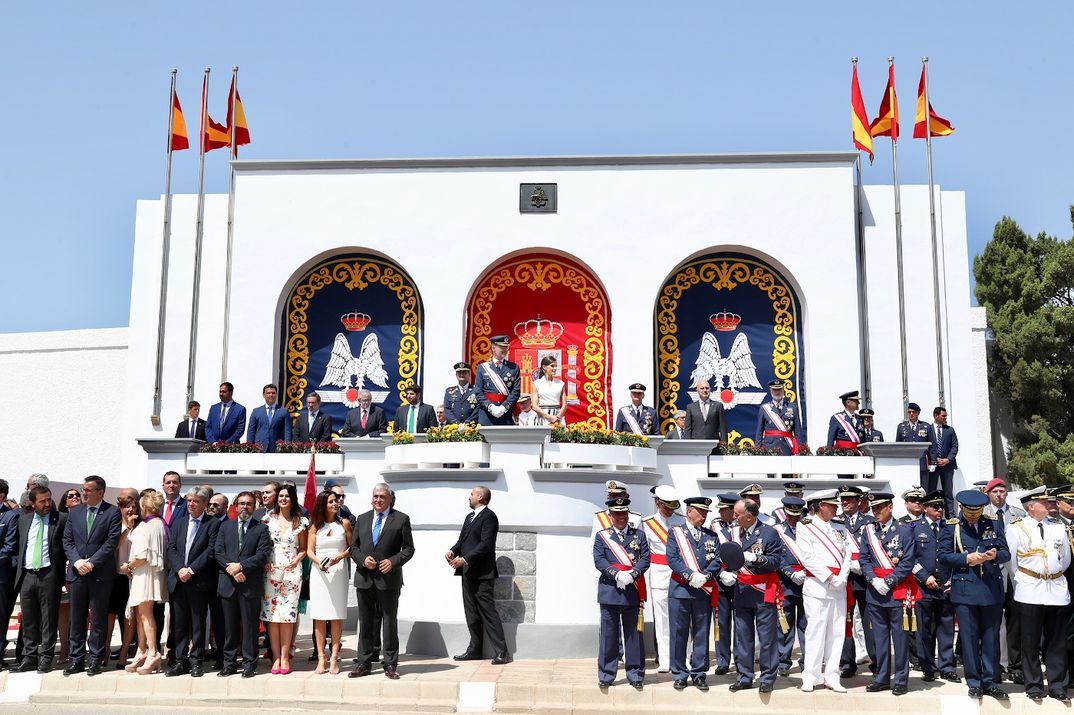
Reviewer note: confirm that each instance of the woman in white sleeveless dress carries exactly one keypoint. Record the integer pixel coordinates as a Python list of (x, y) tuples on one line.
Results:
[(551, 399), (329, 550), (149, 586)]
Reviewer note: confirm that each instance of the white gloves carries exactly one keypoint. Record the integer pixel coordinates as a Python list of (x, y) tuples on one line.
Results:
[(839, 582), (697, 580), (798, 577), (497, 410), (880, 586), (855, 567), (623, 579), (728, 578), (749, 556)]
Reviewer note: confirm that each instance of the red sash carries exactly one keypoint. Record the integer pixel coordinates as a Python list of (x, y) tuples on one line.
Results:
[(767, 583), (905, 588), (495, 397), (844, 444), (625, 564), (782, 430)]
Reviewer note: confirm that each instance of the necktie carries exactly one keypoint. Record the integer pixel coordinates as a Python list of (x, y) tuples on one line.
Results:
[(695, 533), (223, 417), (936, 530), (191, 534), (365, 416), (705, 410), (745, 537), (39, 543), (411, 420), (242, 533), (313, 418), (269, 410), (1041, 527), (376, 528), (93, 515), (168, 513), (193, 429)]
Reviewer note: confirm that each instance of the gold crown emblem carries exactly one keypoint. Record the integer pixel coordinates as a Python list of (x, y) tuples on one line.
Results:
[(725, 320), (538, 333), (355, 321)]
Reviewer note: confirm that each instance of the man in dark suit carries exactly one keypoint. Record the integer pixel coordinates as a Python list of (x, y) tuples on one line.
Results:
[(679, 430), (269, 423), (382, 543), (193, 427), (945, 445), (242, 549), (40, 563), (365, 420), (174, 504), (705, 418), (192, 580), (89, 540), (474, 559), (414, 416), (227, 418), (9, 542), (636, 417), (313, 425)]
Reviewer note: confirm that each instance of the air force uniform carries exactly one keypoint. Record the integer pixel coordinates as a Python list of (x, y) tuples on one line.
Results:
[(755, 604), (935, 612), (919, 432), (497, 385), (725, 615), (779, 424), (792, 576), (638, 419), (460, 401)]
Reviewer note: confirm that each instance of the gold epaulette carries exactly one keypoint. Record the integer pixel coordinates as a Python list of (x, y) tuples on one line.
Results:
[(807, 520), (951, 521), (1015, 521)]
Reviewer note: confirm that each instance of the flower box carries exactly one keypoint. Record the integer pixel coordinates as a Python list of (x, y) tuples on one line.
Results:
[(643, 457), (832, 465), (603, 456), (434, 455), (729, 464), (300, 462), (222, 461)]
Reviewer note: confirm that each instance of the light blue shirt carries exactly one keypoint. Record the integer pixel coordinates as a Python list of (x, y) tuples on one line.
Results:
[(39, 522)]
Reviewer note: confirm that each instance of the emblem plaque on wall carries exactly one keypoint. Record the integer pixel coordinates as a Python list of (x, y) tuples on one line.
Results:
[(537, 198)]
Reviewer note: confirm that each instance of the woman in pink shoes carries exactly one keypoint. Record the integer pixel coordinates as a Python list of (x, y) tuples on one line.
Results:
[(148, 584)]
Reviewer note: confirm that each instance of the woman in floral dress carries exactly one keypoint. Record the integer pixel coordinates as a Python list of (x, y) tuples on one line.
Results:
[(283, 574)]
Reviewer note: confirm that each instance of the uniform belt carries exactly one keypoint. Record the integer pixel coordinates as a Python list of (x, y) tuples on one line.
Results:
[(776, 433), (1041, 576), (43, 569), (495, 397), (846, 444), (661, 559)]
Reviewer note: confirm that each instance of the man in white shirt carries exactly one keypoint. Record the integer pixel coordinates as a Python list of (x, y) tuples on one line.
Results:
[(526, 415), (656, 527), (1010, 633)]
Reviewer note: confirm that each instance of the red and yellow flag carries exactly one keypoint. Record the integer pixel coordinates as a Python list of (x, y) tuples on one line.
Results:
[(886, 123), (859, 118), (938, 126), (242, 131), (178, 139), (213, 134)]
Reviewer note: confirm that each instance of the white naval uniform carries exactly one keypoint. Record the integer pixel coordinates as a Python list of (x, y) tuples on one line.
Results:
[(1047, 556), (823, 546), (658, 577)]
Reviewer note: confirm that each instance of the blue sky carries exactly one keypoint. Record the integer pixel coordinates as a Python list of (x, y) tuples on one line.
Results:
[(85, 101)]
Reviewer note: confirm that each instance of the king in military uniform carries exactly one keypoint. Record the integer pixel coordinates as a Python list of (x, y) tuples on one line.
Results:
[(460, 401), (497, 385), (844, 428)]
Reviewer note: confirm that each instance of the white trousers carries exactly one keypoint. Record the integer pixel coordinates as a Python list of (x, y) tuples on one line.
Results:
[(658, 597), (824, 635)]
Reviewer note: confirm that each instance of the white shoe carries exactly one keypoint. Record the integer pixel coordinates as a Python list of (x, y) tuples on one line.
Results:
[(663, 670), (807, 687), (836, 686)]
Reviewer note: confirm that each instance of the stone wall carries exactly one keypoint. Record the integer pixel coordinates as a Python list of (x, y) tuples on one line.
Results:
[(516, 588)]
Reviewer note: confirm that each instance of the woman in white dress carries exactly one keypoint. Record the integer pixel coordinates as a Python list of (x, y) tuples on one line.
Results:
[(149, 586), (329, 549), (551, 401)]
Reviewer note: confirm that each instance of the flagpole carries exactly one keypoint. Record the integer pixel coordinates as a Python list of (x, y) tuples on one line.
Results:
[(863, 290), (165, 249), (898, 262), (234, 151), (197, 239), (932, 225)]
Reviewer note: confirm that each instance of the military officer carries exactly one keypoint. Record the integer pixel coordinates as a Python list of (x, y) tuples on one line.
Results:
[(1040, 555), (603, 518), (753, 493), (1010, 631), (888, 554), (868, 432), (972, 552), (854, 521), (913, 430), (790, 489), (913, 501), (726, 529), (825, 551), (935, 614), (756, 594), (844, 428), (621, 556), (636, 417), (792, 576), (779, 425), (656, 527), (497, 385), (694, 559), (1064, 496), (460, 402)]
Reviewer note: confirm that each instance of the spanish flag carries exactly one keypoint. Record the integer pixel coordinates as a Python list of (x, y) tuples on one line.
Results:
[(242, 131), (178, 139), (938, 126), (886, 123), (214, 135), (859, 118)]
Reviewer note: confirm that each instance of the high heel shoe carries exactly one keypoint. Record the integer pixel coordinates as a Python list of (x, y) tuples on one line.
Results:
[(320, 665), (152, 666), (334, 663), (135, 664)]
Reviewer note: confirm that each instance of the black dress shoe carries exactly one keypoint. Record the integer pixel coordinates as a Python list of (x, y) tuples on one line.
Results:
[(196, 670), (898, 690), (75, 666), (765, 688), (701, 684), (847, 672), (783, 671), (928, 677), (740, 685), (1035, 696), (1060, 695), (876, 687), (637, 684), (25, 666), (391, 672), (249, 671), (951, 676), (997, 693), (177, 669), (1016, 677), (721, 670), (503, 659), (360, 671), (468, 656), (226, 671), (679, 685), (44, 666), (604, 684), (974, 693), (94, 668)]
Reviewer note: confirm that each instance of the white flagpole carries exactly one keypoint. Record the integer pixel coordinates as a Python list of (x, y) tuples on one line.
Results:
[(935, 257), (898, 261), (197, 239), (165, 249), (234, 151)]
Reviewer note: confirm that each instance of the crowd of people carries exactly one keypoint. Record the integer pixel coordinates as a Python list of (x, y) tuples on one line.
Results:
[(85, 571), (829, 563)]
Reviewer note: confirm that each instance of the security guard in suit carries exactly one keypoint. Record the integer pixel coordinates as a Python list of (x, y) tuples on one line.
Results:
[(726, 529), (935, 613), (621, 556), (888, 554), (854, 521), (636, 417), (972, 551), (694, 558), (460, 402), (791, 575), (497, 385), (914, 430), (868, 432), (844, 428), (779, 423)]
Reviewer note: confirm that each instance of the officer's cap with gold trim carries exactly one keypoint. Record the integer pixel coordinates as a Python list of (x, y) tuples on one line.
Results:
[(878, 498), (700, 503), (753, 490), (793, 506), (850, 492), (462, 367), (913, 406), (618, 504), (936, 498), (637, 387), (867, 412), (504, 341), (825, 496), (726, 501), (1065, 491), (914, 494), (777, 384), (793, 488), (666, 495), (1040, 493), (615, 487), (971, 501), (852, 395)]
